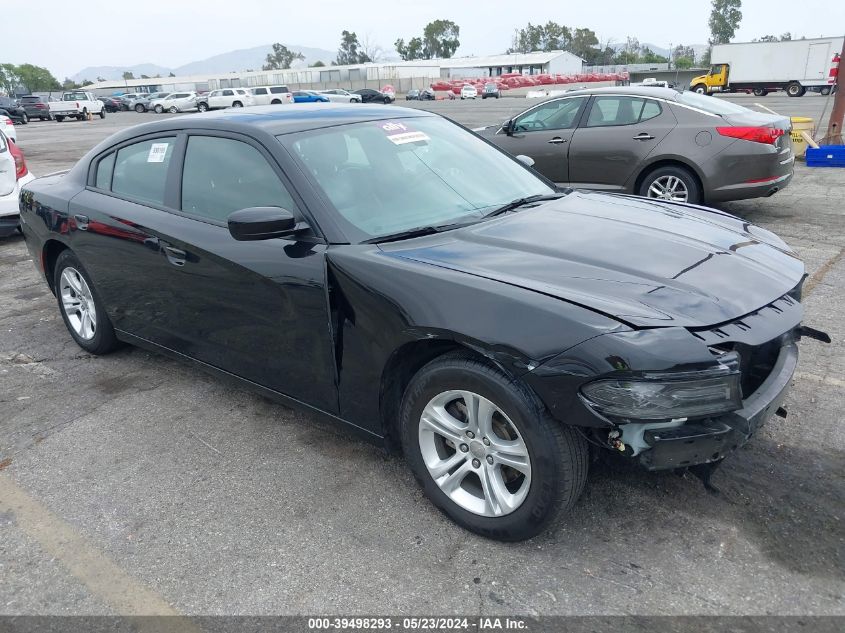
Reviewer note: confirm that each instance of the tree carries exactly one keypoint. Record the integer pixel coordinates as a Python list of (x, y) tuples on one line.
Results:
[(371, 49), (683, 51), (69, 84), (101, 79), (440, 39), (349, 52), (584, 42), (412, 50), (87, 82), (550, 36), (33, 78), (724, 20), (683, 62), (281, 58), (128, 74), (317, 64), (170, 74), (648, 56)]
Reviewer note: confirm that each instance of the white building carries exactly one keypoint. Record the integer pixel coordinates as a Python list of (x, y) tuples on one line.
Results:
[(402, 75)]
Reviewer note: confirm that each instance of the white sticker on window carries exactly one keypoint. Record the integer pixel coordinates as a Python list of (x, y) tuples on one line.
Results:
[(157, 153), (402, 133)]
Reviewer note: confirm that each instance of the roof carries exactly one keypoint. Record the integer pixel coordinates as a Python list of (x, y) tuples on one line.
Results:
[(646, 91), (506, 59)]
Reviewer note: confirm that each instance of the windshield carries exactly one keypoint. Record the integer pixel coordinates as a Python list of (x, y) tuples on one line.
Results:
[(713, 105), (389, 176)]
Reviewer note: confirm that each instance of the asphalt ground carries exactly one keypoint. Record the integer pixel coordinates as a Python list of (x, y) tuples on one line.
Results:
[(133, 484)]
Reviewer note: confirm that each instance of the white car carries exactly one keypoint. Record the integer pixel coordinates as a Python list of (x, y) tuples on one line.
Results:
[(468, 92), (225, 98), (271, 95), (76, 104), (338, 95), (7, 126), (13, 174), (175, 102)]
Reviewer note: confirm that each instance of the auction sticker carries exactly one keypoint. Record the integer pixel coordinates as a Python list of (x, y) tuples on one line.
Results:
[(400, 134), (157, 153)]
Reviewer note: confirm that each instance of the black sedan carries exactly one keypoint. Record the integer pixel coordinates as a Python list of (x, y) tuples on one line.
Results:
[(13, 110), (111, 104), (368, 95), (391, 271)]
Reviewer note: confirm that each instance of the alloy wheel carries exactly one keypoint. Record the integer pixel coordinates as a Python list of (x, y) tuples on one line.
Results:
[(78, 303), (474, 453), (669, 188)]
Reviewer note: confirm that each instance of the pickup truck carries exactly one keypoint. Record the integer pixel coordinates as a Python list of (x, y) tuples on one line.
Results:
[(77, 104)]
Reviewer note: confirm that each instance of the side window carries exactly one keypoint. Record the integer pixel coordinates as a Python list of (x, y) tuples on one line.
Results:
[(259, 91), (104, 170), (140, 170), (610, 111), (651, 109), (223, 175), (559, 114), (276, 90), (228, 93)]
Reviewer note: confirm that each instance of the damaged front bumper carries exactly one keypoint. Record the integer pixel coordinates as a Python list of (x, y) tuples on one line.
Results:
[(710, 440)]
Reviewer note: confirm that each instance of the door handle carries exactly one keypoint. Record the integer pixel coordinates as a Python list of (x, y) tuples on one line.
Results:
[(556, 140), (643, 136), (175, 256), (81, 222)]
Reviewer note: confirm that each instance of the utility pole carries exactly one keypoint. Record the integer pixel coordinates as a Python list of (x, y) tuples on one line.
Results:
[(837, 115)]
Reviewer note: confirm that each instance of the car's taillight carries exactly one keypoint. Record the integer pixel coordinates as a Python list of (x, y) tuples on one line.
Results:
[(769, 135), (20, 161), (40, 106)]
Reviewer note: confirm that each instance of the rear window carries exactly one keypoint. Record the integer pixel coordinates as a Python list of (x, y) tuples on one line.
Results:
[(713, 105), (74, 96), (30, 99)]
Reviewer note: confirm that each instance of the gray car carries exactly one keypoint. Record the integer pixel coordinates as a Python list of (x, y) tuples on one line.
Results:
[(653, 142)]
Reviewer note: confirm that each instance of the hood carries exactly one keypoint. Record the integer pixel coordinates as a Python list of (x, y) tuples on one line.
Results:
[(645, 263)]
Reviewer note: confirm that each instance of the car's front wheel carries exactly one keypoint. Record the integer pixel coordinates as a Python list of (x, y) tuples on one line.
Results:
[(139, 108), (486, 452), (158, 109), (82, 311)]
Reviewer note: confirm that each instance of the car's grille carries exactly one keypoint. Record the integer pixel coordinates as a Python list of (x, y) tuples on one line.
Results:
[(756, 338)]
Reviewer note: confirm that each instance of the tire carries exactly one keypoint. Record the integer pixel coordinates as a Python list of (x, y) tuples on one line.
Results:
[(700, 89), (352, 101), (672, 179), (794, 89), (825, 91), (555, 455), (760, 92), (173, 109), (237, 104), (103, 113), (202, 107), (139, 108), (24, 119), (59, 118), (275, 102), (102, 339), (159, 109)]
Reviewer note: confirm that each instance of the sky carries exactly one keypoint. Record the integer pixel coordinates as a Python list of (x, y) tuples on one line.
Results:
[(66, 38)]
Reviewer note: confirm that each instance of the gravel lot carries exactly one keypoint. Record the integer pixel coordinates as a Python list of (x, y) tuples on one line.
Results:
[(134, 484)]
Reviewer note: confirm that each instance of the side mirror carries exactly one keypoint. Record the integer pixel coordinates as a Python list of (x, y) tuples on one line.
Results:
[(508, 127), (525, 160), (261, 223)]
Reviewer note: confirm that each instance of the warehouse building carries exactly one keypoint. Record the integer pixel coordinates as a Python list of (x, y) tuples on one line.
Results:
[(402, 75)]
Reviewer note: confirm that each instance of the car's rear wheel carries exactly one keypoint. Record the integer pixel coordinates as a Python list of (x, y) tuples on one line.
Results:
[(159, 109), (140, 108), (24, 119), (102, 113), (486, 452), (202, 107), (173, 109), (795, 89), (237, 104), (671, 183), (275, 102), (825, 91), (60, 118), (81, 309)]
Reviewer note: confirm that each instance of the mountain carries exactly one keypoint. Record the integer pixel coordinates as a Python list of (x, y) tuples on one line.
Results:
[(233, 61)]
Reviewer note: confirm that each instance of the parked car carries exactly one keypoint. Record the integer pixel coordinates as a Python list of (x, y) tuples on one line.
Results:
[(309, 96), (653, 142), (77, 104), (111, 104), (36, 107), (12, 109), (225, 98), (427, 95), (13, 175), (128, 100), (7, 126), (468, 92), (338, 95), (143, 103), (401, 275), (413, 95), (368, 95), (271, 95), (175, 102), (490, 90)]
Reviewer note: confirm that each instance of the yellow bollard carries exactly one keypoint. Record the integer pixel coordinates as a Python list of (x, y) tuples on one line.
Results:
[(801, 124)]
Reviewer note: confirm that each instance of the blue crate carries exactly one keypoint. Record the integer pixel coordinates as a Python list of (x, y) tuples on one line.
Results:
[(826, 156)]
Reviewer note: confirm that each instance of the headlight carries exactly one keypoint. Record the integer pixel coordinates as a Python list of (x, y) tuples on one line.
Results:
[(665, 396)]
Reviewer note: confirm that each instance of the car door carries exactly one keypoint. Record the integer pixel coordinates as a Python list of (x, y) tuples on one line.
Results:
[(544, 134), (223, 99), (615, 137), (256, 309)]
